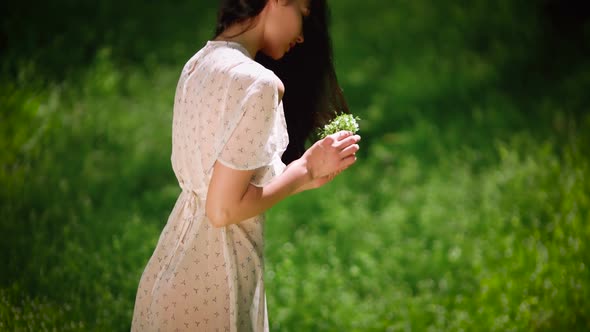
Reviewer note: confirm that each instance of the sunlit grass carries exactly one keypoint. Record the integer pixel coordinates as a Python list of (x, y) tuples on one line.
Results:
[(467, 210)]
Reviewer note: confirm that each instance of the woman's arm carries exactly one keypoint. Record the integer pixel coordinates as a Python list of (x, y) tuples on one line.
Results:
[(232, 199)]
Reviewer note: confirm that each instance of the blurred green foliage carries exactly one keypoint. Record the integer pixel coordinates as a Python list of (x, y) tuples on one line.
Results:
[(469, 207)]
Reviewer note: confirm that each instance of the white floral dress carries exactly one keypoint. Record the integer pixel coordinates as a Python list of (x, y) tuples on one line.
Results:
[(202, 278)]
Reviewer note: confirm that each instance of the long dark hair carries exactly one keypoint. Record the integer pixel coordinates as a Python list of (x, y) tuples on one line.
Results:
[(312, 94)]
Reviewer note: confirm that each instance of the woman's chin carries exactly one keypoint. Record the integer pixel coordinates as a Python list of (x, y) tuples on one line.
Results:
[(278, 56)]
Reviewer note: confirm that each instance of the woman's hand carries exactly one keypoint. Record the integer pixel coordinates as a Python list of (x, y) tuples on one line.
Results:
[(330, 156), (314, 184)]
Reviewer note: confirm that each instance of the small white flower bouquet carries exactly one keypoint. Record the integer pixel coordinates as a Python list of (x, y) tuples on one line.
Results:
[(343, 121)]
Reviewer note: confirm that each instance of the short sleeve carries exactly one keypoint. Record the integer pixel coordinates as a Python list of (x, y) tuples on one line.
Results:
[(253, 141)]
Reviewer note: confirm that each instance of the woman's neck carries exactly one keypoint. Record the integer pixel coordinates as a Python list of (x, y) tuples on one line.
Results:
[(248, 34)]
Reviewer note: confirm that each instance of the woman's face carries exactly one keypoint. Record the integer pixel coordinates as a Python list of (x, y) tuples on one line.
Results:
[(284, 26)]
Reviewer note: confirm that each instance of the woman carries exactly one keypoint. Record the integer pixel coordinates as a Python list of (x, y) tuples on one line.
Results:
[(229, 134)]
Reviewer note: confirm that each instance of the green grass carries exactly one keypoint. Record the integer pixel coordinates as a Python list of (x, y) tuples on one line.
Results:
[(468, 209)]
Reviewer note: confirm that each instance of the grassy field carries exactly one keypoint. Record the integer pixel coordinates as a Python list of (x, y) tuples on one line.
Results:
[(468, 209)]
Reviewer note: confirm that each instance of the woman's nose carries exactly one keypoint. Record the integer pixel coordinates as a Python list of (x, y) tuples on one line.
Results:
[(299, 39)]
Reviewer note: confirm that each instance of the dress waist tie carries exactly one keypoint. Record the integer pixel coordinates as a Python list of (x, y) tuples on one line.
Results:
[(193, 209)]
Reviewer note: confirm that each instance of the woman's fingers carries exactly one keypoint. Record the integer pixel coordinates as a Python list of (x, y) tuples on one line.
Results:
[(328, 141), (332, 154), (348, 147), (351, 149), (347, 162), (345, 142), (341, 134)]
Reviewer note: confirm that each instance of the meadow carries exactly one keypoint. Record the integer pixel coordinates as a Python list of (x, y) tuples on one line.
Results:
[(468, 208)]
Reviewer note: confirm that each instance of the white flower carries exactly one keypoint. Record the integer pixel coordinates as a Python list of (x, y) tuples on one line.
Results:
[(343, 121)]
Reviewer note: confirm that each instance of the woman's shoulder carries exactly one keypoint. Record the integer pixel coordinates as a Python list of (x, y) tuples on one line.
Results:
[(249, 70), (236, 66), (249, 73)]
